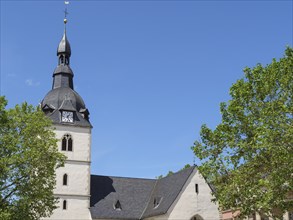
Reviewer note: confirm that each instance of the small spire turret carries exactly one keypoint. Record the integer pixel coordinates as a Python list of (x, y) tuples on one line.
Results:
[(62, 76), (64, 49)]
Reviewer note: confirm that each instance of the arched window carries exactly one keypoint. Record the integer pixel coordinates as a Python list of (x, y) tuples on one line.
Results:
[(196, 188), (64, 204), (65, 178), (196, 217), (264, 217), (290, 215), (66, 143), (61, 59), (69, 144)]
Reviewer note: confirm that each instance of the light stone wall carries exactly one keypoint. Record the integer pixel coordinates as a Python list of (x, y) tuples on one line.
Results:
[(81, 142), (78, 179), (77, 209), (77, 168), (189, 203)]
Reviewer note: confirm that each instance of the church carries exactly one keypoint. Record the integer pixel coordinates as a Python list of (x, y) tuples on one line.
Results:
[(82, 195)]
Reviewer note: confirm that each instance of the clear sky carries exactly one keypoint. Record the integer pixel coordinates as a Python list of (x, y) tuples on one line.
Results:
[(150, 72)]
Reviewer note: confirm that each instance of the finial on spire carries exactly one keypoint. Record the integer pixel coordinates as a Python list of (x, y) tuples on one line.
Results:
[(65, 11)]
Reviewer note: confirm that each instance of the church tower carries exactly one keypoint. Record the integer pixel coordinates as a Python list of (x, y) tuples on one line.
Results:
[(70, 117)]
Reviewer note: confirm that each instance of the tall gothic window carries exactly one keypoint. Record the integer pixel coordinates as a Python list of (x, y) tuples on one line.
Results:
[(64, 204), (66, 143), (65, 178), (196, 188)]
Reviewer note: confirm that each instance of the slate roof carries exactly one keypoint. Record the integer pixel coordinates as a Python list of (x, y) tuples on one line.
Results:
[(132, 193), (136, 196), (64, 98)]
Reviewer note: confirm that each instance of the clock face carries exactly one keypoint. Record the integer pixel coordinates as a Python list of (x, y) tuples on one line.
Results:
[(67, 116)]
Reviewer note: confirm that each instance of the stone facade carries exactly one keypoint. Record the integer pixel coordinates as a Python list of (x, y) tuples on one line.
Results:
[(76, 192)]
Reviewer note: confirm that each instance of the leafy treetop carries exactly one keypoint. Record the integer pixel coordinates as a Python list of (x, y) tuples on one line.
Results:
[(28, 159), (248, 157)]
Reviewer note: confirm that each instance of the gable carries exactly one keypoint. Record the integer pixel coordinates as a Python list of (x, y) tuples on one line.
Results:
[(194, 200), (167, 190)]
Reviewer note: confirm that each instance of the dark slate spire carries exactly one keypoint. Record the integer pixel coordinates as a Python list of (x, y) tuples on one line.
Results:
[(63, 74), (62, 97), (64, 46), (64, 50)]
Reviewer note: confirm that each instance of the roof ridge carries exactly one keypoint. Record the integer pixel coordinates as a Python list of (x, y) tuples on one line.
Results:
[(122, 177), (180, 171)]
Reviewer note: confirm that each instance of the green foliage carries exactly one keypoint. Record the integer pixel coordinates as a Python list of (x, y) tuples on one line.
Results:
[(249, 156), (28, 159), (186, 166), (159, 177), (171, 172)]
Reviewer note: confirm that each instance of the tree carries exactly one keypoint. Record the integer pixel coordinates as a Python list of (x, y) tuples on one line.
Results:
[(170, 173), (248, 157), (28, 159)]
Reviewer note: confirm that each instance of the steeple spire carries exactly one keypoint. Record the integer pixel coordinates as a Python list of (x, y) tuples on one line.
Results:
[(63, 74), (64, 49), (62, 99)]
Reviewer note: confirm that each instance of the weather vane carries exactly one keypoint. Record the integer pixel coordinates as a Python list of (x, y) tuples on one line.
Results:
[(65, 11)]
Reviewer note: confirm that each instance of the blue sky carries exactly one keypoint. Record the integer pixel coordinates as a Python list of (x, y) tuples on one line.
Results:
[(150, 72)]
